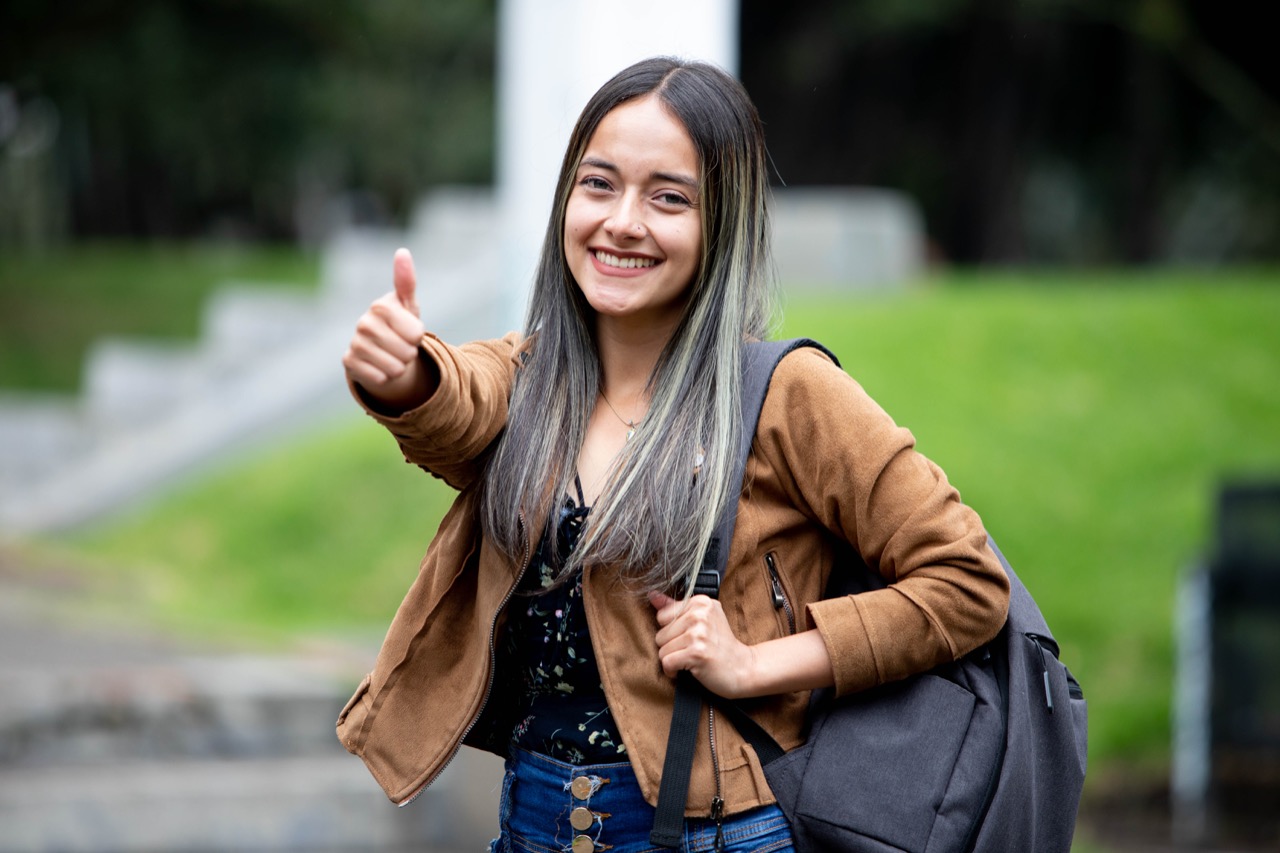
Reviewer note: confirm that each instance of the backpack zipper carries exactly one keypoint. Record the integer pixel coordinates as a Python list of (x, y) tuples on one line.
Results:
[(1047, 647), (1074, 690)]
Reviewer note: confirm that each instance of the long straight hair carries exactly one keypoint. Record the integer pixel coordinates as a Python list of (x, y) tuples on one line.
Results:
[(656, 513)]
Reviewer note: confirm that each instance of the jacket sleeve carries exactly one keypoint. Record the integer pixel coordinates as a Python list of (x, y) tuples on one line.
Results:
[(449, 433), (852, 470)]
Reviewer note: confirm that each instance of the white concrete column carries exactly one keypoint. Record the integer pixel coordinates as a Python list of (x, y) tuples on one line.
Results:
[(552, 56)]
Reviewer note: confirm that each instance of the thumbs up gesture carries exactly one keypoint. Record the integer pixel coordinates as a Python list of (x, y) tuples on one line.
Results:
[(382, 357)]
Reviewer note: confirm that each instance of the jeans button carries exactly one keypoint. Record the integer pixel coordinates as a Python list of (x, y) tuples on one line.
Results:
[(583, 844), (581, 787), (581, 818)]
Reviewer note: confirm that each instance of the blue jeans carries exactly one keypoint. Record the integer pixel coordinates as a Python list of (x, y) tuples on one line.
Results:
[(547, 805)]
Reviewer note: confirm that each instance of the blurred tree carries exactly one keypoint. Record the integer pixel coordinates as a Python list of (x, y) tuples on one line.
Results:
[(179, 118), (1048, 130)]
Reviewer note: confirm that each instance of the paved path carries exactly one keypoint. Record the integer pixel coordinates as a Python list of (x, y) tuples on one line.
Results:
[(114, 738)]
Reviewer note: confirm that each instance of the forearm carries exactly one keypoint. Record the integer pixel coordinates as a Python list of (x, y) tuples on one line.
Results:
[(788, 664)]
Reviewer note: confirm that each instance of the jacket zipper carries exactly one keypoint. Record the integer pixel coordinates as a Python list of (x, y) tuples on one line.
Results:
[(717, 802), (493, 664), (780, 599)]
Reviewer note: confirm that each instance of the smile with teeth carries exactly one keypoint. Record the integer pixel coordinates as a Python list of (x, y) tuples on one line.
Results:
[(623, 263)]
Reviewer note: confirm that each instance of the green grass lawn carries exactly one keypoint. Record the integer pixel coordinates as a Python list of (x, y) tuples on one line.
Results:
[(53, 304), (1090, 421), (1089, 417)]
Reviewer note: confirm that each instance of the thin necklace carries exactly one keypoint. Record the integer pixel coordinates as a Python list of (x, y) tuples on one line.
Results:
[(631, 425)]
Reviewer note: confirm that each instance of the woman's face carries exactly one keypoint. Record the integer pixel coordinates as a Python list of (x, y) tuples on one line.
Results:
[(633, 230)]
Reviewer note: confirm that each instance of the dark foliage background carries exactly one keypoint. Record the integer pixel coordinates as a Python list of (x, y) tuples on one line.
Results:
[(241, 117), (1044, 130), (1095, 131)]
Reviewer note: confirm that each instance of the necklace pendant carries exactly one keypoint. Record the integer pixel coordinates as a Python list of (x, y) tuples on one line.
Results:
[(631, 431)]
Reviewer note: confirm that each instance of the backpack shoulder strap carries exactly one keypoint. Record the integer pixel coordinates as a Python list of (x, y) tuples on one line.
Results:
[(760, 359), (758, 363)]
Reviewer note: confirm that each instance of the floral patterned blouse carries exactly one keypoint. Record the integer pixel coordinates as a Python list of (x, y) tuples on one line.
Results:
[(560, 708)]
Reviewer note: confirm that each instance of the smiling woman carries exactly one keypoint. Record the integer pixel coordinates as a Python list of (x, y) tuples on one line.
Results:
[(594, 453)]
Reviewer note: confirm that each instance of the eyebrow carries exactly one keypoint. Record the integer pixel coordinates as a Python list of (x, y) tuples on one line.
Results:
[(670, 177)]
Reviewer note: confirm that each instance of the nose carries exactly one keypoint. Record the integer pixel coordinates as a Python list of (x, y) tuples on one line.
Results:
[(625, 221)]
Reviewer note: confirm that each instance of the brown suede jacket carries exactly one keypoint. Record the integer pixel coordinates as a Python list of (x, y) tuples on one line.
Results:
[(827, 462)]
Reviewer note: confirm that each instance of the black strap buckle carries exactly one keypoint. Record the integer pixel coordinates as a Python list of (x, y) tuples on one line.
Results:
[(707, 583), (708, 580)]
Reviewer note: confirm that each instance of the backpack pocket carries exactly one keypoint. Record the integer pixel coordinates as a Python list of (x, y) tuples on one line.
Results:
[(913, 763)]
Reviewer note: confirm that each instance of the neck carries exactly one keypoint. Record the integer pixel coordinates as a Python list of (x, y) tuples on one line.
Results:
[(627, 359)]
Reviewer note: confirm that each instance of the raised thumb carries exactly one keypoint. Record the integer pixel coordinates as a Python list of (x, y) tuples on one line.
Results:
[(406, 281)]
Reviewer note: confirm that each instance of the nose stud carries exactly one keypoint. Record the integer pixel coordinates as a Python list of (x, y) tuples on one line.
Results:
[(633, 229)]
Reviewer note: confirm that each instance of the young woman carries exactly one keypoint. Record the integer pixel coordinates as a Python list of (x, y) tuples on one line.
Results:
[(593, 453)]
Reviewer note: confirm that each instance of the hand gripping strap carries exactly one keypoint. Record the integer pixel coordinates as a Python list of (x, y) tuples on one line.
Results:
[(758, 363)]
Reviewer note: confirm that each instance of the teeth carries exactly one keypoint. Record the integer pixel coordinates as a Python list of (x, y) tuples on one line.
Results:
[(624, 263)]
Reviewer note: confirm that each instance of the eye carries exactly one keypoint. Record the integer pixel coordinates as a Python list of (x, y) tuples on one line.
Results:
[(594, 182), (673, 199)]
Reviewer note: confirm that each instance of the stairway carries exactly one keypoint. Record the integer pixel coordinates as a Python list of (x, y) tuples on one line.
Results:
[(266, 362), (112, 740)]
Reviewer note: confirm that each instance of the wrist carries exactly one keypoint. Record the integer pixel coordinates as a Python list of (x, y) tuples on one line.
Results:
[(405, 392)]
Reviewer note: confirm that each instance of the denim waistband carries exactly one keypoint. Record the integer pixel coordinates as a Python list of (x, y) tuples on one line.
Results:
[(549, 806)]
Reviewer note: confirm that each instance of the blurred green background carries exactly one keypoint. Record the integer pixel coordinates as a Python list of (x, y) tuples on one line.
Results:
[(1093, 352)]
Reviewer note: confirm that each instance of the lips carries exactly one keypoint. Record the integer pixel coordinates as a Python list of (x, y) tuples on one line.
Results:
[(616, 262)]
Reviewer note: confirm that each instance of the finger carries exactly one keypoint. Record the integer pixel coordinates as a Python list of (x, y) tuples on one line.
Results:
[(671, 665), (683, 635), (667, 608), (677, 656), (671, 653), (387, 361), (406, 281), (391, 327), (361, 372), (660, 600)]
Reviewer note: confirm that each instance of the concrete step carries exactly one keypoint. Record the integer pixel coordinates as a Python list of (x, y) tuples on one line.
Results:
[(245, 320), (38, 433), (841, 238), (129, 382), (117, 738), (285, 804), (208, 707), (296, 389), (78, 689)]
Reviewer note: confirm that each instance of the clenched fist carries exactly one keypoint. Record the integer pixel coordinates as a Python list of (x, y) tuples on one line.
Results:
[(383, 356)]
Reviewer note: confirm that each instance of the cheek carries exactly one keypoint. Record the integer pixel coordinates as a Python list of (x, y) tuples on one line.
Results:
[(691, 244), (574, 234), (690, 235)]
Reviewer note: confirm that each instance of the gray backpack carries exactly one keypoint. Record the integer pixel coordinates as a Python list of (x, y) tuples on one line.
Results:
[(985, 754)]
